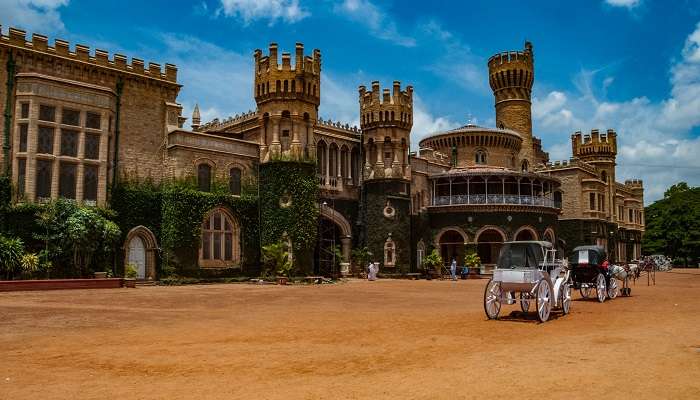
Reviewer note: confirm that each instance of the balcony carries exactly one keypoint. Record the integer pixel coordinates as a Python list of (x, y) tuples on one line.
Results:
[(508, 199)]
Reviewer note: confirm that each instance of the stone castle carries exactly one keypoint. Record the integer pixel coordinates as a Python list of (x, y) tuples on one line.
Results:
[(75, 121)]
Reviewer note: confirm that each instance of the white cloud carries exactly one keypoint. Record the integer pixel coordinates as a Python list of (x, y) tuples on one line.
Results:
[(623, 3), (223, 85), (425, 124), (458, 65), (288, 11), (374, 19), (655, 140), (33, 15)]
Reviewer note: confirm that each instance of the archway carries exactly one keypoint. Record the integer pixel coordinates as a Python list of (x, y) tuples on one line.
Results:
[(549, 236), (334, 230), (140, 250), (525, 233), (451, 243), (489, 242)]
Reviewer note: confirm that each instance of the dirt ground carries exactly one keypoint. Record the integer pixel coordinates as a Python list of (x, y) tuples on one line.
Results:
[(354, 340)]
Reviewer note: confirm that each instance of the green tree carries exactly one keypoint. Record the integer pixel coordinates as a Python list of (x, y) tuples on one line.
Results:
[(673, 224), (276, 259)]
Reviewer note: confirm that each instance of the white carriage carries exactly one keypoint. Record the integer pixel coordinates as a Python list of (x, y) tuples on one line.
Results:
[(530, 270)]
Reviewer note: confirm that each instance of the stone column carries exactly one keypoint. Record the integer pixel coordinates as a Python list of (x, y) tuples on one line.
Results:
[(30, 174), (55, 169), (328, 165), (104, 162), (276, 146), (295, 147), (345, 247), (310, 140), (263, 139)]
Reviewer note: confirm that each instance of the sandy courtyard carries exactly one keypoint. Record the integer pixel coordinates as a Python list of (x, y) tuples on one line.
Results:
[(356, 340)]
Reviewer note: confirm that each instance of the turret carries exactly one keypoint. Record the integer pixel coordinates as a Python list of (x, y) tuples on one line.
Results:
[(386, 118), (599, 150), (288, 96), (196, 118), (511, 75)]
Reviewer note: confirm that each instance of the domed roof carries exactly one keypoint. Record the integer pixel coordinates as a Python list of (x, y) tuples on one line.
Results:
[(471, 128)]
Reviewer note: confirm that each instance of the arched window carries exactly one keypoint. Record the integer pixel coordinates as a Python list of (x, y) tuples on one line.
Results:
[(501, 126), (234, 181), (480, 157), (286, 86), (524, 166), (204, 177), (278, 87), (294, 88), (221, 245), (557, 199), (389, 253), (604, 176)]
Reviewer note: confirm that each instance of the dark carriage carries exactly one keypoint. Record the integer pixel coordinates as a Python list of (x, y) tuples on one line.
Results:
[(588, 273)]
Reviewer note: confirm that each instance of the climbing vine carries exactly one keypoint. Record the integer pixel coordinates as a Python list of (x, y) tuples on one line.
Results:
[(289, 204)]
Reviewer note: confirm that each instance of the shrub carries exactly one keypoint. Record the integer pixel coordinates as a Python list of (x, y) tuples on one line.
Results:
[(433, 261), (276, 258), (130, 271), (11, 250), (30, 264)]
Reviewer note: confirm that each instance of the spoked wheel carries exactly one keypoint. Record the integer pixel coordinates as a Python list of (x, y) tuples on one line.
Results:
[(613, 289), (544, 305), (492, 299), (585, 292), (600, 288), (566, 298), (524, 302)]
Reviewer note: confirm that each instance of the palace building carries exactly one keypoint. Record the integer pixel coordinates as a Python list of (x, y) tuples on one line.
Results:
[(74, 121)]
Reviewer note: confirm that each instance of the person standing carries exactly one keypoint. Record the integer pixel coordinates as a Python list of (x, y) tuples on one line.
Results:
[(453, 269)]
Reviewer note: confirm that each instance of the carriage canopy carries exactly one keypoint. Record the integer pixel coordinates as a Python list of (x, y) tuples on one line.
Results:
[(594, 255), (525, 254)]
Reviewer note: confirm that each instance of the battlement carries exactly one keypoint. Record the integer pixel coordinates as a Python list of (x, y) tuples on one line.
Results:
[(512, 70), (386, 107), (339, 126), (218, 125), (39, 43), (594, 145), (634, 184), (570, 163), (275, 81)]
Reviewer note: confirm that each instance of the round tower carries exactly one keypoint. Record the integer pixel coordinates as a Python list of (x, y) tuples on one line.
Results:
[(287, 97), (511, 75), (599, 150), (386, 118)]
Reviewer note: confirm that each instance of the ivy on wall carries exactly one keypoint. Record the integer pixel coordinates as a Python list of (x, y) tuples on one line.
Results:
[(289, 204)]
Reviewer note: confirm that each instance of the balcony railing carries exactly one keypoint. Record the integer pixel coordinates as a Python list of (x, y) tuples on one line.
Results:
[(509, 199)]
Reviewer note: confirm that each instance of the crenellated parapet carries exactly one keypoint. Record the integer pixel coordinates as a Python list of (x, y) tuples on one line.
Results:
[(634, 184), (220, 125), (386, 118), (595, 146), (17, 39), (512, 73), (287, 81), (386, 108), (565, 164)]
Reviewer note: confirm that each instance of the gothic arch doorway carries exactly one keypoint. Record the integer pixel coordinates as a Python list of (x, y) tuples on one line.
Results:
[(334, 231), (140, 250)]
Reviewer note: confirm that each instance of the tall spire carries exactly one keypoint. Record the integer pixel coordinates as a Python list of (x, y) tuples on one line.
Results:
[(196, 118)]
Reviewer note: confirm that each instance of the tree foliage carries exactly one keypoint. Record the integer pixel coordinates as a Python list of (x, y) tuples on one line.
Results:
[(673, 224), (11, 251)]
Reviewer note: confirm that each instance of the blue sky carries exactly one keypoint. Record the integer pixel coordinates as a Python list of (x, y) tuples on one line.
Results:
[(630, 65)]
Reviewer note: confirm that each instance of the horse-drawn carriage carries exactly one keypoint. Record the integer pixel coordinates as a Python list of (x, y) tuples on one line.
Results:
[(589, 270), (528, 268)]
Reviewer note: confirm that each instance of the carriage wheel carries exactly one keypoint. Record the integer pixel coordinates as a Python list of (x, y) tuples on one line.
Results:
[(492, 299), (600, 288), (566, 298), (524, 302), (613, 289), (585, 292), (544, 305)]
